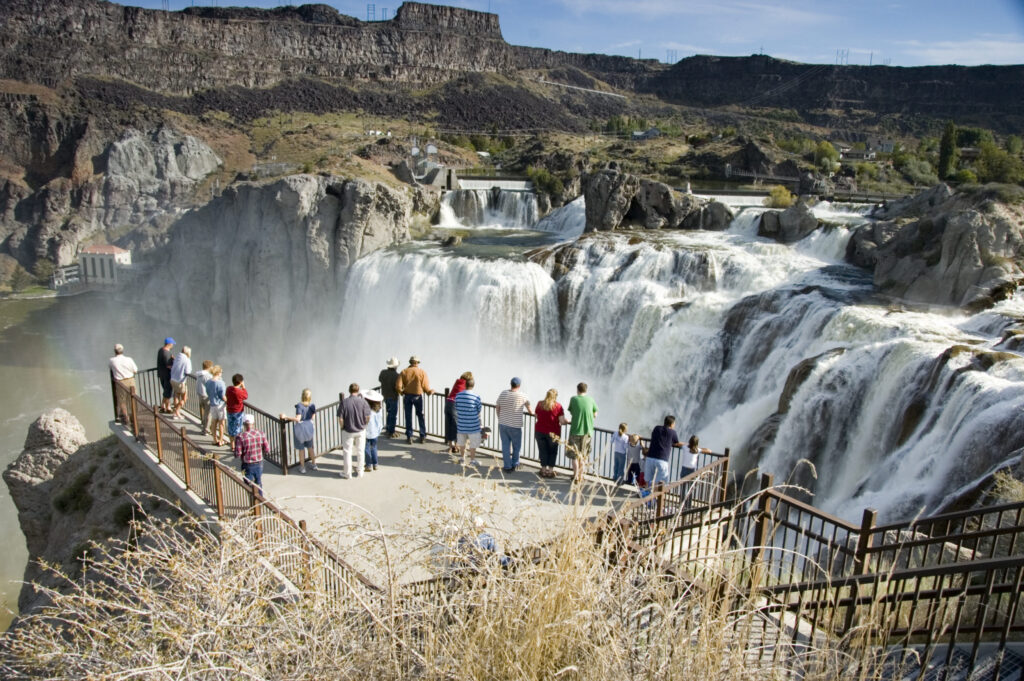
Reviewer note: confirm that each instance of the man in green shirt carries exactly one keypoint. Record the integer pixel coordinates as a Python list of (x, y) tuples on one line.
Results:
[(583, 410)]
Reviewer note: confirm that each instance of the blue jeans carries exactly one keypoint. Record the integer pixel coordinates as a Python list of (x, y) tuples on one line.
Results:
[(655, 470), (370, 452), (620, 465), (391, 406), (511, 444), (410, 401), (254, 472), (684, 471)]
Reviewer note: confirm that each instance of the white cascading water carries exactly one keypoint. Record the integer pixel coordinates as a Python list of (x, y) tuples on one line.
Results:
[(708, 326), (488, 208)]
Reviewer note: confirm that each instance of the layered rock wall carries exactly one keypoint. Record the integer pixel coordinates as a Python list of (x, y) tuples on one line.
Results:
[(617, 200), (275, 253)]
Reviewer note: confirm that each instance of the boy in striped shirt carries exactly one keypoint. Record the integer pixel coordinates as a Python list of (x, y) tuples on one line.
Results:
[(467, 417)]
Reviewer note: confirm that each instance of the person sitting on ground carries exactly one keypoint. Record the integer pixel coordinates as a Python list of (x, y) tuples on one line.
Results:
[(468, 406), (663, 439), (181, 368), (218, 406), (236, 397), (304, 430)]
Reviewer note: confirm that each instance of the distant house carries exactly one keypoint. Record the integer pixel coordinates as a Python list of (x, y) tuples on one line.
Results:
[(103, 264), (648, 134), (970, 153), (68, 275), (858, 155)]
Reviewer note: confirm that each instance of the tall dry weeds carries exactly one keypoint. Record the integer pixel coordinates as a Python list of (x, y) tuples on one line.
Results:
[(181, 602)]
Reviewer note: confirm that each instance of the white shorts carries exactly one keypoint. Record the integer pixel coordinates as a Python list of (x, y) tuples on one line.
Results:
[(218, 412), (474, 440)]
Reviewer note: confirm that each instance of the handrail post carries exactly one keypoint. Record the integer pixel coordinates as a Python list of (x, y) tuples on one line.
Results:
[(113, 393), (724, 484), (764, 503), (184, 459), (134, 413), (864, 540), (159, 439), (283, 427), (218, 490), (659, 501), (254, 500), (308, 558)]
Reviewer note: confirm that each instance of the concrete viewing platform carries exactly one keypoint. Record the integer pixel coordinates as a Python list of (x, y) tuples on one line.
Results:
[(416, 487)]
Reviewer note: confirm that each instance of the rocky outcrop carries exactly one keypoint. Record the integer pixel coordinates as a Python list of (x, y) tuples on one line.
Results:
[(940, 248), (617, 200), (102, 191), (278, 251), (69, 493), (790, 225)]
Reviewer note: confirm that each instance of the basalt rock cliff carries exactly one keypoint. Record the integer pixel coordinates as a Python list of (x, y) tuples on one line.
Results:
[(290, 242), (617, 200)]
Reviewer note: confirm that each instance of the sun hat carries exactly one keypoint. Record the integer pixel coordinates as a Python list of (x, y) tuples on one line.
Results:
[(249, 418), (392, 363), (168, 341), (373, 396), (415, 359)]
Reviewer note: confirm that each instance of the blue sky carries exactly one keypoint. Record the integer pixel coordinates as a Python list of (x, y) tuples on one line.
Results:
[(898, 32)]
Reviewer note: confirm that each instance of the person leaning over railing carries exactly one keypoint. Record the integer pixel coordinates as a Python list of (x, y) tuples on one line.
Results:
[(388, 377), (218, 405), (304, 431), (690, 456), (412, 384), (123, 369), (546, 430), (663, 439), (202, 376)]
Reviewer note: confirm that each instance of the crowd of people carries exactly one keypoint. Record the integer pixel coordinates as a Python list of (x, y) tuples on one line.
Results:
[(365, 417)]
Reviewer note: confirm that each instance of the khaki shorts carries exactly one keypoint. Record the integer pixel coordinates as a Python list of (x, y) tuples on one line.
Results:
[(178, 389), (581, 443), (473, 438)]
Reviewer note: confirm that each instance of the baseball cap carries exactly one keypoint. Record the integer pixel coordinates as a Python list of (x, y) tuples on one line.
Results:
[(516, 381), (249, 418), (168, 341)]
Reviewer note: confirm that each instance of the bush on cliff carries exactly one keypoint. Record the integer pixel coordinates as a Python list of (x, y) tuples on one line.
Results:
[(779, 197)]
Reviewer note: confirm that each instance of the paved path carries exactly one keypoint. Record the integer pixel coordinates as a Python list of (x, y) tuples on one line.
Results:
[(420, 489)]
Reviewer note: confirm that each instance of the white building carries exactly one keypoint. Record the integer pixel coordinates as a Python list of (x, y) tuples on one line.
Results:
[(101, 264)]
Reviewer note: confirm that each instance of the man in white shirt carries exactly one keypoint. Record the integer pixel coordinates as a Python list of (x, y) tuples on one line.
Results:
[(204, 400), (510, 405), (179, 371), (123, 369)]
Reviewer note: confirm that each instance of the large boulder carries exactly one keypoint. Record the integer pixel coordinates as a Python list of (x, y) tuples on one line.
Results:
[(608, 194), (617, 200), (790, 225)]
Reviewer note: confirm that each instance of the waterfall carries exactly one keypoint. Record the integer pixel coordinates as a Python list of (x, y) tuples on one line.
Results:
[(567, 221), (493, 208), (894, 411)]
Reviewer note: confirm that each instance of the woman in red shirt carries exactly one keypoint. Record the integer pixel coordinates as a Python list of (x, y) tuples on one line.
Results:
[(550, 419), (235, 396), (450, 428)]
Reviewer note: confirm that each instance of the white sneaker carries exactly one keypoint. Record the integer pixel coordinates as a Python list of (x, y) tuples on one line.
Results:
[(342, 476)]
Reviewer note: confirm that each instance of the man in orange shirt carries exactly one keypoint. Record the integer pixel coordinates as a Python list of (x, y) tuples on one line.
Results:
[(412, 384)]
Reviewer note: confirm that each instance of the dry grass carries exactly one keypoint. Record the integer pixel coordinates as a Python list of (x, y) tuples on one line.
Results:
[(1008, 488), (180, 602)]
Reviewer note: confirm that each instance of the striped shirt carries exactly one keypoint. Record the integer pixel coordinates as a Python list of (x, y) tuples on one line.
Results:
[(510, 408), (251, 445), (467, 411)]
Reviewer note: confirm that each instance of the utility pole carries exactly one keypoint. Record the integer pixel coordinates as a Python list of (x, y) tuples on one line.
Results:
[(371, 12)]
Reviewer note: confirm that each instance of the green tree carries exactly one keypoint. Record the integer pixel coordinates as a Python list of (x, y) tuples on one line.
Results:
[(779, 197), (1014, 145), (43, 270), (965, 176), (20, 279), (825, 150), (947, 152), (996, 165), (972, 137)]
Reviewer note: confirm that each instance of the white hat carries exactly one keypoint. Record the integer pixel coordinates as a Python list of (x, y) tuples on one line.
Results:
[(415, 359), (392, 363), (373, 396), (249, 418)]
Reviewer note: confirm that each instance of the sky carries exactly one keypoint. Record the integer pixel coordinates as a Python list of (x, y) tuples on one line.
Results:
[(894, 32)]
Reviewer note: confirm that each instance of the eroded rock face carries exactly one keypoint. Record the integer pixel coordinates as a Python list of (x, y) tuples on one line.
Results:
[(617, 200), (277, 252), (790, 225), (945, 249), (112, 188)]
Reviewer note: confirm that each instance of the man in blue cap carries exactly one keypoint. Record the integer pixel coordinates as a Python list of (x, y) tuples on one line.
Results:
[(510, 405), (164, 362)]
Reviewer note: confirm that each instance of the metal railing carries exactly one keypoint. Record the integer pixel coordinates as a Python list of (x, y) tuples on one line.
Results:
[(230, 495)]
